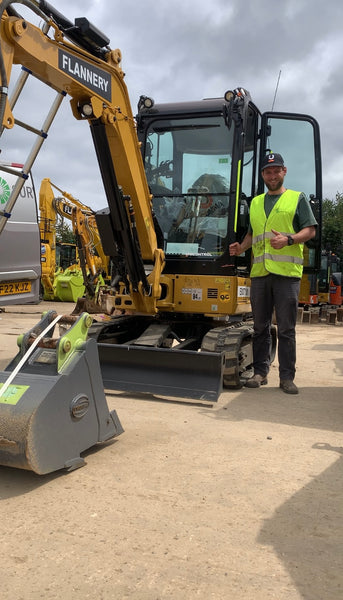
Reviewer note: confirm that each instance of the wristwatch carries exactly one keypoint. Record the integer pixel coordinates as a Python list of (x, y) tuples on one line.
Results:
[(290, 240)]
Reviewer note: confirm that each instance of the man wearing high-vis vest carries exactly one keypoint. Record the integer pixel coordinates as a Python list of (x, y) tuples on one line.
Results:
[(281, 221)]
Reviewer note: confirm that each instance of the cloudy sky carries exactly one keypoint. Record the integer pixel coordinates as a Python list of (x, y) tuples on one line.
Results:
[(179, 50)]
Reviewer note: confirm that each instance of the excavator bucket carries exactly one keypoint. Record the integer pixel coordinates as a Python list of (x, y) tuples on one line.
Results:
[(69, 285), (52, 401)]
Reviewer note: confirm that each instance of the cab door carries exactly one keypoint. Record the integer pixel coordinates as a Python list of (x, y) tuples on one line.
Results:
[(296, 137)]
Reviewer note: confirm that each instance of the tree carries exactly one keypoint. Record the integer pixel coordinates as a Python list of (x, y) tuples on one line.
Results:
[(332, 230), (64, 233)]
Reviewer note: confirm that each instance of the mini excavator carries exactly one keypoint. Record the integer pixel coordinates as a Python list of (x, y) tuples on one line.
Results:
[(178, 180)]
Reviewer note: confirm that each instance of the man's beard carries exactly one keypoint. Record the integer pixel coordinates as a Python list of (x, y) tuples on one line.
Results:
[(272, 187)]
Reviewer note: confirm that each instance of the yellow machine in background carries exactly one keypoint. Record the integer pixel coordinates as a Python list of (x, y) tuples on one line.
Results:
[(323, 287), (68, 270)]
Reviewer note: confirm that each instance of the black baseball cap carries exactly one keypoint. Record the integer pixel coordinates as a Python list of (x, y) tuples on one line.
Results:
[(272, 160)]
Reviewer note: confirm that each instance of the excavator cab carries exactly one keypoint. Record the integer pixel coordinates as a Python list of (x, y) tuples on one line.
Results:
[(188, 172), (202, 166), (191, 167)]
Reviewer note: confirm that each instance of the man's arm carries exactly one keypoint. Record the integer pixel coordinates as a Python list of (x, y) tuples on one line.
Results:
[(280, 240), (238, 248)]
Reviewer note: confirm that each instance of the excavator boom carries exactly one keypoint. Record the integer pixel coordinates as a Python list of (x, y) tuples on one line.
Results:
[(98, 93)]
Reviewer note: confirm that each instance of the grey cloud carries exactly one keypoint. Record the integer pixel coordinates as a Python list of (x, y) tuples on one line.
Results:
[(190, 49)]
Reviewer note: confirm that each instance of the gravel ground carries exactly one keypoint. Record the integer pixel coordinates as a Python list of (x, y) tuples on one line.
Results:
[(241, 499)]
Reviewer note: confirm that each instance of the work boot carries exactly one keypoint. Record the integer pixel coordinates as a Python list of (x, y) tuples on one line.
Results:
[(256, 381), (288, 386)]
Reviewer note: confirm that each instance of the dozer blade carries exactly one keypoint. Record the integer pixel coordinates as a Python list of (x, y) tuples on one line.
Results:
[(52, 401), (162, 371)]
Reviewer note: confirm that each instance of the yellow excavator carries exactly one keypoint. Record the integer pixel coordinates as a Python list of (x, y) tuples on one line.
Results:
[(325, 286), (178, 180), (87, 268)]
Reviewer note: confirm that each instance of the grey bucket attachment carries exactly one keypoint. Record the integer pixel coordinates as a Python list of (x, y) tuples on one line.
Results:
[(52, 401)]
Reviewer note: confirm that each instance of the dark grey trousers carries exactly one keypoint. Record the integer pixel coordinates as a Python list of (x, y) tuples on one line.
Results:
[(281, 293)]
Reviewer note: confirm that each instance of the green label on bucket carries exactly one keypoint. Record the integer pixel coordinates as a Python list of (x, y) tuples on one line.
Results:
[(13, 393)]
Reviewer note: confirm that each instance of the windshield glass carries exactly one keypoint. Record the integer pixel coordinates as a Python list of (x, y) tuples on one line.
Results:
[(188, 164)]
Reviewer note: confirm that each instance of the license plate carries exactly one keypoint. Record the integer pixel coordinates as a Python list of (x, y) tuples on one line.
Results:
[(15, 287)]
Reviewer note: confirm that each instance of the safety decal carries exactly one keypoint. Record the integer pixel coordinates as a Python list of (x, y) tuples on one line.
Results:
[(196, 293), (13, 393)]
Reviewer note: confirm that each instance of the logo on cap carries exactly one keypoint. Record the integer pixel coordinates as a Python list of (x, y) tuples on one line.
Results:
[(272, 159)]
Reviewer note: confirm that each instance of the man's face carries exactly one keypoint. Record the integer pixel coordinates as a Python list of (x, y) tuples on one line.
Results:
[(273, 177)]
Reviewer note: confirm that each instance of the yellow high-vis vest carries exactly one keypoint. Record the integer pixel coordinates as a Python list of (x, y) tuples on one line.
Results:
[(287, 261)]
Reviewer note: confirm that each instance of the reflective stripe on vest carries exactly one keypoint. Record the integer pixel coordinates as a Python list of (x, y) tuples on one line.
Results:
[(287, 261)]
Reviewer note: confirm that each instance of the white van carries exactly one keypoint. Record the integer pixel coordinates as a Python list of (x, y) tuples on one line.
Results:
[(20, 265)]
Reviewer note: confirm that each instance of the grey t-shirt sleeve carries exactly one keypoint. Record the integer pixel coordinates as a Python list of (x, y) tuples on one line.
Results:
[(304, 216)]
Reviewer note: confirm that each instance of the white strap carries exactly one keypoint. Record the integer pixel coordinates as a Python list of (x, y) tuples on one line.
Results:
[(27, 355)]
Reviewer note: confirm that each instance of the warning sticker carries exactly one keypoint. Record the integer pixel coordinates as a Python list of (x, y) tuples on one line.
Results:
[(13, 393), (195, 293)]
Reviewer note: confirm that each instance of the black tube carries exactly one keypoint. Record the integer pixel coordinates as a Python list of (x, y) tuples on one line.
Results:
[(50, 11), (82, 33)]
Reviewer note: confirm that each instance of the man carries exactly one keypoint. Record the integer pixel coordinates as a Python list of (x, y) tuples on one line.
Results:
[(280, 222)]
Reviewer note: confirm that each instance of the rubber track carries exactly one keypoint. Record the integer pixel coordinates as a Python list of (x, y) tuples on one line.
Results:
[(230, 340)]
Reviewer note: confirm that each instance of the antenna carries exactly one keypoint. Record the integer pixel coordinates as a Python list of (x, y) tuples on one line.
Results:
[(276, 89)]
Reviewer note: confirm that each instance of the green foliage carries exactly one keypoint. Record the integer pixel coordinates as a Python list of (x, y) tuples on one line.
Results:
[(64, 233), (332, 231)]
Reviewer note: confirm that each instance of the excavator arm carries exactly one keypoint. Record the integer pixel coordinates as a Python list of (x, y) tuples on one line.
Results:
[(89, 72), (83, 223), (93, 261), (47, 228)]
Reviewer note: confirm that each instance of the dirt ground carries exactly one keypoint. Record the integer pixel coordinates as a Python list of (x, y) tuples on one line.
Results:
[(242, 499)]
